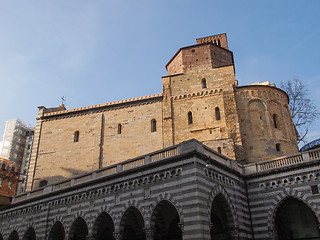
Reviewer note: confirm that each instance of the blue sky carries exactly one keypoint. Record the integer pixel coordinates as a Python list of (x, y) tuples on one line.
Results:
[(99, 51)]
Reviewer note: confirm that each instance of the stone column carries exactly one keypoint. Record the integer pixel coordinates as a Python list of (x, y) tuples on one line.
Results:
[(149, 234)]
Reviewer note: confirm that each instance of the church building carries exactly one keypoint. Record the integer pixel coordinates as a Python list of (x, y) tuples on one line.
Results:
[(205, 159)]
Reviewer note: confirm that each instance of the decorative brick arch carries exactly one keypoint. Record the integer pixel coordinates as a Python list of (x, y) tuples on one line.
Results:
[(26, 228), (103, 209), (167, 197), (131, 203), (153, 208), (284, 195), (55, 220), (125, 214), (260, 100), (12, 231), (79, 214), (219, 189)]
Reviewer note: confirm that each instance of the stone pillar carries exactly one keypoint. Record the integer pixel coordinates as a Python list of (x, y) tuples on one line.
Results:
[(149, 234), (117, 236)]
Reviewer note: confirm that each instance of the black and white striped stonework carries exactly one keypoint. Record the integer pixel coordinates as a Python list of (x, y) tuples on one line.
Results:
[(187, 191)]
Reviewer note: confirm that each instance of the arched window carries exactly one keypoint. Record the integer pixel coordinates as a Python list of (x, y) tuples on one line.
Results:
[(278, 147), (153, 125), (275, 120), (219, 149), (218, 117), (204, 83), (219, 43), (215, 42), (190, 120), (76, 136), (119, 128)]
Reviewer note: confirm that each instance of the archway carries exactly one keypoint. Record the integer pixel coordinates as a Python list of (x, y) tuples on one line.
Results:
[(30, 234), (57, 232), (103, 227), (295, 220), (221, 219), (13, 236), (165, 222), (132, 225), (79, 230)]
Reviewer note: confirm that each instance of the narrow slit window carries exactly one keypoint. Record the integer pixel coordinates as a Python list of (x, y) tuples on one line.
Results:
[(275, 120), (153, 125), (219, 149), (190, 120), (278, 147), (204, 83), (119, 128), (218, 117), (76, 136)]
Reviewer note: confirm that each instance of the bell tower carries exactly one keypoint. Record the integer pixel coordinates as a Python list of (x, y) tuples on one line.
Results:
[(198, 96)]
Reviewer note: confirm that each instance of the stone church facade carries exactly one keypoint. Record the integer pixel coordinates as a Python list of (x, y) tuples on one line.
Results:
[(201, 99), (206, 159)]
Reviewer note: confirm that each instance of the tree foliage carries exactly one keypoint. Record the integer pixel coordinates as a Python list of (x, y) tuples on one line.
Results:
[(302, 109)]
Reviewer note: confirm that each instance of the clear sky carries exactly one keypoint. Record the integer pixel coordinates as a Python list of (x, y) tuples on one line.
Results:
[(99, 51)]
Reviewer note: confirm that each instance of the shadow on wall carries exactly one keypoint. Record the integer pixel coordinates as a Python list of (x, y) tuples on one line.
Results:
[(39, 183)]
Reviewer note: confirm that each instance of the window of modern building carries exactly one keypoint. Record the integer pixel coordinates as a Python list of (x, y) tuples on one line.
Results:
[(119, 128), (218, 117), (275, 120), (204, 83), (190, 120), (278, 147), (76, 136), (153, 125)]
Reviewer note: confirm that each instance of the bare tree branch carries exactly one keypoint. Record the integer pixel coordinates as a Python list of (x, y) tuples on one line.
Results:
[(302, 109)]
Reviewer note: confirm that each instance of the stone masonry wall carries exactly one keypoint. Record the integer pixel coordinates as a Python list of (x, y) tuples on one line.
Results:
[(256, 107), (188, 95), (100, 144)]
